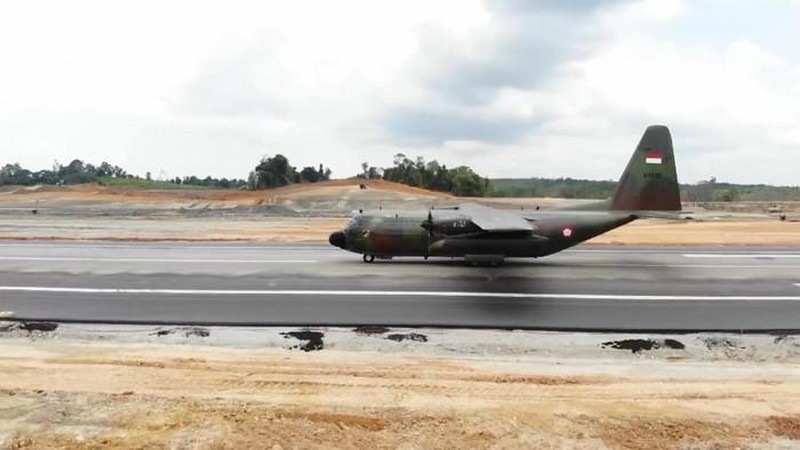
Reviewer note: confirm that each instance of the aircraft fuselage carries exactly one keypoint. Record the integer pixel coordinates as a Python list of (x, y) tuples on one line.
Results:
[(390, 234)]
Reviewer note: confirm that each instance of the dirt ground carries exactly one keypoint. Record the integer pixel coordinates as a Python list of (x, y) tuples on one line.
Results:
[(651, 232), (309, 213), (97, 395), (75, 394), (716, 233)]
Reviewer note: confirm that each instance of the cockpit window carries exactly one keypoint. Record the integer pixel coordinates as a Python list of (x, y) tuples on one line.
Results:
[(355, 220)]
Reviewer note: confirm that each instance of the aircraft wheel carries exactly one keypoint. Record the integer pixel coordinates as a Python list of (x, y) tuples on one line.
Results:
[(368, 258)]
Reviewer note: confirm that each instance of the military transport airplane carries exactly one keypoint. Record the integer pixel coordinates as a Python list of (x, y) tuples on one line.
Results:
[(480, 234)]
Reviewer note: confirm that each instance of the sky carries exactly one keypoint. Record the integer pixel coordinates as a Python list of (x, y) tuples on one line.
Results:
[(511, 88)]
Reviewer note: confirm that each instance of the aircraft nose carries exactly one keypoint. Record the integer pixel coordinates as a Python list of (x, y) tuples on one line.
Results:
[(338, 239)]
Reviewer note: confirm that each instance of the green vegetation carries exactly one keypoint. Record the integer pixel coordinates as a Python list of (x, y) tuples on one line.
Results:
[(141, 183), (78, 172), (712, 191), (75, 172), (461, 181), (551, 187), (704, 191), (276, 171), (270, 172)]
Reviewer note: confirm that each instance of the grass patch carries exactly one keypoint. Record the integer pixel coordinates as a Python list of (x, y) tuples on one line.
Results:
[(138, 183)]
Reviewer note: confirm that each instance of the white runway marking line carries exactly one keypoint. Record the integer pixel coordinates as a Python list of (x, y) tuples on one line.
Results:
[(161, 260), (155, 245), (520, 295), (692, 266), (741, 255)]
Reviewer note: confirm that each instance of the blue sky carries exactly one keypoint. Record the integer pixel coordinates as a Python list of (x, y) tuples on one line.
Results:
[(512, 88)]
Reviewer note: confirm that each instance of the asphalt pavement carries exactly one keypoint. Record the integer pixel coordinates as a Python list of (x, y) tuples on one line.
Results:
[(586, 288)]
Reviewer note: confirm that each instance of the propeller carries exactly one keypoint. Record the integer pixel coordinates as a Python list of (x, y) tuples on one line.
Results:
[(427, 224)]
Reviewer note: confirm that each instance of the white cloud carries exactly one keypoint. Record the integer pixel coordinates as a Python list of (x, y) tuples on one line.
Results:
[(512, 89)]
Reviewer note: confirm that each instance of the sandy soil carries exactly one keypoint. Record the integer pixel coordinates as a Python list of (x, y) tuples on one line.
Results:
[(150, 229), (310, 212), (82, 394), (317, 230), (689, 233), (52, 196)]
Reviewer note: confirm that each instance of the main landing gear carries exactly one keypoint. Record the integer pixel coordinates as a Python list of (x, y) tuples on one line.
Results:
[(368, 258)]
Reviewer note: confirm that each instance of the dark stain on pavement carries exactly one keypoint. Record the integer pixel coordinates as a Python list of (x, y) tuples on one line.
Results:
[(44, 327), (370, 330), (313, 340), (724, 343), (638, 345), (196, 331), (187, 332), (673, 344), (416, 337), (787, 340)]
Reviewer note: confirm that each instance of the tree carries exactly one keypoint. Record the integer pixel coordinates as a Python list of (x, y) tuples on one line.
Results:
[(312, 175), (105, 170), (15, 174), (370, 172), (275, 172), (432, 175), (309, 175), (76, 172), (467, 183), (725, 195)]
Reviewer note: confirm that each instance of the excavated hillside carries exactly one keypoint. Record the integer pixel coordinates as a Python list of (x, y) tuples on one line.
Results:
[(310, 212), (332, 198)]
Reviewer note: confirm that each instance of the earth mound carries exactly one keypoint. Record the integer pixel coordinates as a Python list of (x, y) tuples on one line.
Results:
[(328, 198)]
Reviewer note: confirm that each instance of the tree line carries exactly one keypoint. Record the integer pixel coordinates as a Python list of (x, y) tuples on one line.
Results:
[(460, 181), (713, 191), (704, 191), (79, 172), (270, 172), (76, 172), (276, 171), (551, 187)]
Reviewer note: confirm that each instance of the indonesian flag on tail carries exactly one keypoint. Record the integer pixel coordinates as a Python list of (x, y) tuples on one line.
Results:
[(653, 158)]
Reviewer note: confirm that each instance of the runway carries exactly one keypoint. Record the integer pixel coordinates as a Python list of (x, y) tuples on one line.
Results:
[(586, 288)]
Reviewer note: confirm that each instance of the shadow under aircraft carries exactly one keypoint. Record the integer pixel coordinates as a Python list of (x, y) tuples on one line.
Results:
[(648, 188)]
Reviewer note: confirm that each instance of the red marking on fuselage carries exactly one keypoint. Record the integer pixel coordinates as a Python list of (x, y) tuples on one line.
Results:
[(382, 242)]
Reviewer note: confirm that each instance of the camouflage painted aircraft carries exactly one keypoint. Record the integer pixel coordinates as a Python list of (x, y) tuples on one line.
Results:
[(480, 234)]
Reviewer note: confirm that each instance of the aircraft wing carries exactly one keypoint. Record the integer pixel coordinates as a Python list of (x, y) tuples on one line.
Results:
[(492, 220)]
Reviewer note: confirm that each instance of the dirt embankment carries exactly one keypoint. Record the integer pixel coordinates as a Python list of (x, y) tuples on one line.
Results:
[(309, 213), (692, 233), (64, 197), (96, 395)]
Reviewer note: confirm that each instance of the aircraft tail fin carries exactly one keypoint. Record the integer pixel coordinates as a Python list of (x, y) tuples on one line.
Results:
[(650, 181)]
